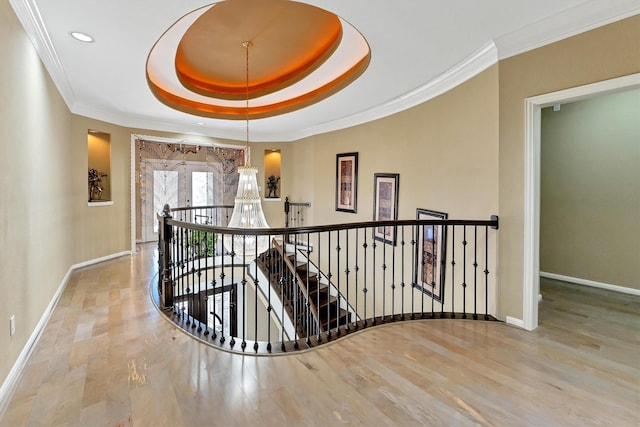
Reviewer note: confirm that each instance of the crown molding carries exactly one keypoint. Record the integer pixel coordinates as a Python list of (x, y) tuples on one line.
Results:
[(31, 20), (471, 66), (564, 25)]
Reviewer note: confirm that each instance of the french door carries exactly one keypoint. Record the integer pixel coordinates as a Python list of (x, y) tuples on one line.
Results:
[(177, 183)]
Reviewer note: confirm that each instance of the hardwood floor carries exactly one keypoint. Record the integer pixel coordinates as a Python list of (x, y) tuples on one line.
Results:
[(108, 358)]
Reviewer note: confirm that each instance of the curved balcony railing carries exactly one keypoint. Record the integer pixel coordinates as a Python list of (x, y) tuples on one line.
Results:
[(314, 284)]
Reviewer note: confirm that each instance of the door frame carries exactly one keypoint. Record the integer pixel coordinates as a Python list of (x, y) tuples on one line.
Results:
[(133, 206), (532, 144)]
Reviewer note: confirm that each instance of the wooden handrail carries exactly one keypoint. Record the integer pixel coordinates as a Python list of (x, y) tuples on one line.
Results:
[(493, 223)]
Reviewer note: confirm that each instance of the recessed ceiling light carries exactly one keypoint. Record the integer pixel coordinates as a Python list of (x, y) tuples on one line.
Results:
[(200, 123), (81, 36)]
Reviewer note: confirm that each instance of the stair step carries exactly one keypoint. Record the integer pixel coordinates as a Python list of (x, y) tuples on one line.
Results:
[(330, 315)]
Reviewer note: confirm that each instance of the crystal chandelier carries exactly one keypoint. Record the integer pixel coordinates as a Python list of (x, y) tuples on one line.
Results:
[(247, 209)]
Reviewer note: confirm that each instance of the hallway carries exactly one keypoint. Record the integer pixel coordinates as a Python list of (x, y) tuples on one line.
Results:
[(108, 358)]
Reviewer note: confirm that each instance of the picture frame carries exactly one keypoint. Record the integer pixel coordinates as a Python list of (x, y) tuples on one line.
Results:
[(385, 205), (432, 255), (347, 182)]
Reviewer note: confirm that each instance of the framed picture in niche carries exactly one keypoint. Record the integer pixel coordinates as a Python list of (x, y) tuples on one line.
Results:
[(385, 205), (432, 247), (347, 182)]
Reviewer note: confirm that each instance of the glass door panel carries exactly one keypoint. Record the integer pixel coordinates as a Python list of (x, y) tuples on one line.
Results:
[(165, 190)]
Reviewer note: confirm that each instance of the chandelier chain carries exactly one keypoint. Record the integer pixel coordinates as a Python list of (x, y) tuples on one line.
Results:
[(246, 45)]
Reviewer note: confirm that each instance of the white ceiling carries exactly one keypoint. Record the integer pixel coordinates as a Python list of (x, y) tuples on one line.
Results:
[(419, 49)]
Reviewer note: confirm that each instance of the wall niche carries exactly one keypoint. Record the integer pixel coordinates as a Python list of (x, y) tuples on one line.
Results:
[(272, 166), (99, 166)]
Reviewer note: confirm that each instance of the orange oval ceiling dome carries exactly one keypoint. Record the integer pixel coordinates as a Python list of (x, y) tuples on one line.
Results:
[(299, 54)]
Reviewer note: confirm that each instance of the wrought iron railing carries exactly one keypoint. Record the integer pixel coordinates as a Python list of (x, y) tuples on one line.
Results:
[(327, 282), (295, 213)]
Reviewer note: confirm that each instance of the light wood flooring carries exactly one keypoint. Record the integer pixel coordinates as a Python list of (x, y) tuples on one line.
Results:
[(108, 358)]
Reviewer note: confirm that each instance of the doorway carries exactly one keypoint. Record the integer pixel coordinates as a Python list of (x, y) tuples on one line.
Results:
[(533, 107), (178, 173), (176, 183)]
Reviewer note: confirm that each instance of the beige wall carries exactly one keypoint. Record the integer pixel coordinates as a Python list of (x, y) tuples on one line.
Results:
[(590, 190), (36, 234), (601, 54), (100, 230), (445, 150)]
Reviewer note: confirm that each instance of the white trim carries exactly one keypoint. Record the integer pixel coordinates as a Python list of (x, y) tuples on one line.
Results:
[(15, 374), (591, 283), (533, 105), (99, 260), (133, 201), (94, 204), (531, 247), (565, 24), (29, 16), (471, 66), (512, 321)]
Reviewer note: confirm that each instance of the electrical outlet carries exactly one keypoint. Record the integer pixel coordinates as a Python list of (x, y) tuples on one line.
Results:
[(12, 325)]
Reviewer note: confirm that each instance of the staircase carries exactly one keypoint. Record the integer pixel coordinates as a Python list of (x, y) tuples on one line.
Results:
[(307, 295), (329, 313)]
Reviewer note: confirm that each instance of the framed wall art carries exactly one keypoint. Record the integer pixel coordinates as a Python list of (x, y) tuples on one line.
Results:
[(385, 205), (347, 182), (432, 246)]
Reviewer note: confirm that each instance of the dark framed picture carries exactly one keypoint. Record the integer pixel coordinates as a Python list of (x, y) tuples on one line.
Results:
[(385, 205), (432, 251), (347, 182)]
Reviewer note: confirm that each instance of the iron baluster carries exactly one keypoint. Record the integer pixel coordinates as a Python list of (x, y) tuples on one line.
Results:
[(357, 270), (453, 276), (364, 279), (373, 247), (475, 272), (486, 272), (414, 267), (338, 284), (434, 253), (384, 281), (346, 272), (393, 281), (243, 344), (329, 276), (464, 272), (402, 283), (269, 307)]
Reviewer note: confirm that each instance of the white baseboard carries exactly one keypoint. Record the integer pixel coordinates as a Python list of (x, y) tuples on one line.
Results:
[(99, 260), (10, 383), (518, 323), (593, 284)]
